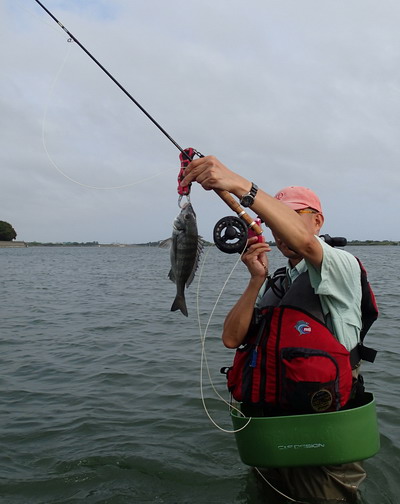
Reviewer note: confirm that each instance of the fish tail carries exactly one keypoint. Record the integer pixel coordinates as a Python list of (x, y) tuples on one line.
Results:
[(179, 304)]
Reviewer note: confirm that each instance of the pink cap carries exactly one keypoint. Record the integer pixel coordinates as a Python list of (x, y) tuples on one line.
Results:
[(297, 198)]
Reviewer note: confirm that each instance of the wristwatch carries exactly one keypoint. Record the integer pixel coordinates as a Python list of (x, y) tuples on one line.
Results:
[(248, 199)]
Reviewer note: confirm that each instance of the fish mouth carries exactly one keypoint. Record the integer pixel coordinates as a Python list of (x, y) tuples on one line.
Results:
[(188, 208)]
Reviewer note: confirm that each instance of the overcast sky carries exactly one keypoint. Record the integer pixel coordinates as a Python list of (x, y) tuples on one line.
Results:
[(286, 92)]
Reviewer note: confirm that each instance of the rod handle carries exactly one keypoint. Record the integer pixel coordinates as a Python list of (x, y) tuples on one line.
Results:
[(235, 206)]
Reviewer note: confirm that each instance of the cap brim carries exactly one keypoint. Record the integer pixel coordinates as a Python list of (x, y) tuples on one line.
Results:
[(294, 206)]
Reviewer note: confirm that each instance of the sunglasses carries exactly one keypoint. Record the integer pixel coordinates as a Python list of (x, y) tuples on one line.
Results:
[(306, 210)]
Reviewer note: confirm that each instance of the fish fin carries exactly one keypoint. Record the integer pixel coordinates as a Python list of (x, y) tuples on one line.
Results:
[(179, 304), (200, 246), (165, 243), (171, 276), (173, 253)]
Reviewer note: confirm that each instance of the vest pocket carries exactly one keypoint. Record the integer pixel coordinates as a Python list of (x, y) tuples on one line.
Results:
[(240, 374), (309, 381)]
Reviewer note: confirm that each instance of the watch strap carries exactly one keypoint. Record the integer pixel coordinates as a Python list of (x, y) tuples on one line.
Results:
[(248, 198)]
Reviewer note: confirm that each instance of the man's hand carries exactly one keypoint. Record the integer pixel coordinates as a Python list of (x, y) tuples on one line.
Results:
[(255, 258), (212, 174)]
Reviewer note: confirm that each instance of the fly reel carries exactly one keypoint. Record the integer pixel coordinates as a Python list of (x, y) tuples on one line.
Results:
[(230, 234)]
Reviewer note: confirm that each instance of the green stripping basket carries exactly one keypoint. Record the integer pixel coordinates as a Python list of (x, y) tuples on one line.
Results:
[(334, 438)]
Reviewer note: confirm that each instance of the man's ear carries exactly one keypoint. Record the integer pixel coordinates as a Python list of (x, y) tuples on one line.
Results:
[(319, 220)]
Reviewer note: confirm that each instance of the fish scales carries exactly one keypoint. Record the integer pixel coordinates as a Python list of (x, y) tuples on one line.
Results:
[(186, 248)]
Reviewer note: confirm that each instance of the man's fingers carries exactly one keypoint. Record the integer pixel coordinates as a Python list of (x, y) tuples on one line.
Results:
[(194, 170), (204, 171), (258, 247)]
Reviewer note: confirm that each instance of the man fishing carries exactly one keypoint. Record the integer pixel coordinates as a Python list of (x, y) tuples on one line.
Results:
[(318, 272)]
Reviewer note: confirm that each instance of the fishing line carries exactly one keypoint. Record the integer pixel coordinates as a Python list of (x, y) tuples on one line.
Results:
[(50, 158), (203, 359), (224, 195), (122, 88), (276, 490), (202, 336), (32, 13)]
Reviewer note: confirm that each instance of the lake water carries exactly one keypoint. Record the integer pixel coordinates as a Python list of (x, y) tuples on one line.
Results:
[(100, 382)]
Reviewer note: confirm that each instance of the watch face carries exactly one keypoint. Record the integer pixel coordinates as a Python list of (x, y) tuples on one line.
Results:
[(247, 200)]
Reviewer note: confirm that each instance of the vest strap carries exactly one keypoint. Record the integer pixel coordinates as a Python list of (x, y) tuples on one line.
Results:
[(362, 352)]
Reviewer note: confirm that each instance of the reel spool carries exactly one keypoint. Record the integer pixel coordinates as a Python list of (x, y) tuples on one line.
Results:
[(230, 234)]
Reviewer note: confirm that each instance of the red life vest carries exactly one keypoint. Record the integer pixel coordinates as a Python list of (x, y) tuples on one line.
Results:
[(290, 360)]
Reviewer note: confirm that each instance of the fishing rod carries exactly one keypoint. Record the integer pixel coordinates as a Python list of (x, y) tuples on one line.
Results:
[(72, 37), (224, 195)]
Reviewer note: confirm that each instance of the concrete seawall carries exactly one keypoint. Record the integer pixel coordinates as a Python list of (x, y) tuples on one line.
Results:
[(12, 244)]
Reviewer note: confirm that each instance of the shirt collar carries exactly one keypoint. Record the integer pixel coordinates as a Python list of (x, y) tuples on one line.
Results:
[(293, 273)]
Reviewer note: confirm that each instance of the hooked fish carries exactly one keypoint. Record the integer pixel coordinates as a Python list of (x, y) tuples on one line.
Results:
[(186, 248)]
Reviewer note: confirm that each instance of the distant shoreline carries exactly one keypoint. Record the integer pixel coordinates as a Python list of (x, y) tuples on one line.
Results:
[(96, 244), (21, 244)]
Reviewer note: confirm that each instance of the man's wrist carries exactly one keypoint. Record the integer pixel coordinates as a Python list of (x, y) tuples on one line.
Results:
[(256, 282), (244, 186)]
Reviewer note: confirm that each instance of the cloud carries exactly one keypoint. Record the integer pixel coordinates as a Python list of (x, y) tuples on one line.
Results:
[(284, 92)]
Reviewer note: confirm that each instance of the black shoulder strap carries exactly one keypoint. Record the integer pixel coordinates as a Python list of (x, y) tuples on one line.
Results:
[(369, 313), (277, 282), (369, 307)]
